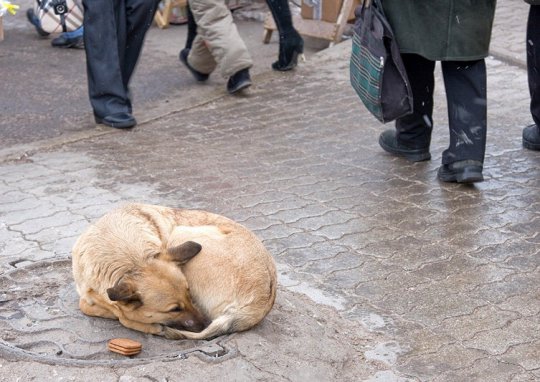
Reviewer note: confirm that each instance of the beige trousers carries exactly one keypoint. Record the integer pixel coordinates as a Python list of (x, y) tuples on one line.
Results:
[(217, 41)]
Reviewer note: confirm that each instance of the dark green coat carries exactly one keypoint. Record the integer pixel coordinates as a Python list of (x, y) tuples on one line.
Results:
[(453, 30)]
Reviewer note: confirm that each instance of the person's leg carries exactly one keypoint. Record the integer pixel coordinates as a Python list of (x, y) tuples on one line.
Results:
[(291, 43), (531, 134), (199, 59), (36, 22), (139, 17), (106, 88), (216, 27), (72, 39), (191, 28), (204, 61), (465, 83), (414, 130), (412, 135)]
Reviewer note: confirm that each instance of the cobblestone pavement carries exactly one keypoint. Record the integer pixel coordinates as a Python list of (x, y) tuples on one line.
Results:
[(385, 273)]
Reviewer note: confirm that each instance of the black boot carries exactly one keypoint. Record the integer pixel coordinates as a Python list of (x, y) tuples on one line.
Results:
[(463, 171), (239, 81), (531, 137), (389, 141), (290, 47), (291, 44)]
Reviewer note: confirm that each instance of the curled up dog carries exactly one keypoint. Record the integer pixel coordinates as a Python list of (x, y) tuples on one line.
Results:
[(172, 272)]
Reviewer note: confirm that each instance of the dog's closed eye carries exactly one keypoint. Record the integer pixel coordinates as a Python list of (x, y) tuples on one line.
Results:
[(176, 309)]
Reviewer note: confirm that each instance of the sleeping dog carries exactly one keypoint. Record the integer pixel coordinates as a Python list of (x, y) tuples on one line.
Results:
[(172, 272)]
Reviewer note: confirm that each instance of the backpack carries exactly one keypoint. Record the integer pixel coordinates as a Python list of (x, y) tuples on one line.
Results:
[(57, 16)]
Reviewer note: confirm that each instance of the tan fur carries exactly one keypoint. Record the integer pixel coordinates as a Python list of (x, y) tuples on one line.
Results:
[(140, 262)]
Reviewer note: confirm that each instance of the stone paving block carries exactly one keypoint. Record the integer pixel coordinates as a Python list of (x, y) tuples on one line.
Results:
[(526, 304), (512, 286), (399, 252), (451, 358), (487, 317), (27, 210), (485, 370), (11, 195), (56, 219), (457, 265), (318, 251), (65, 162), (500, 340), (60, 247), (24, 203), (296, 240), (377, 289), (334, 230), (526, 355), (50, 179), (347, 262), (32, 252), (56, 232)]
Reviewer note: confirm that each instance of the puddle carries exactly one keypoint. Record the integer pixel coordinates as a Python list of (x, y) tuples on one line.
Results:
[(317, 295)]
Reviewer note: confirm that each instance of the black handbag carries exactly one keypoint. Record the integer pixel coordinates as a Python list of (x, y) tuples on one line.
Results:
[(376, 69)]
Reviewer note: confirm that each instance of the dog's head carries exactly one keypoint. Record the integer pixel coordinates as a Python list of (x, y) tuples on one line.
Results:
[(159, 293)]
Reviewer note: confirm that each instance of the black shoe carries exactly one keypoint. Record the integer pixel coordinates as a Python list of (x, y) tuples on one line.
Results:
[(290, 47), (118, 120), (531, 137), (31, 16), (389, 142), (63, 42), (463, 171), (198, 75), (238, 81)]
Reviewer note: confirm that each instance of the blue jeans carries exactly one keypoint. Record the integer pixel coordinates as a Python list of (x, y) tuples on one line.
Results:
[(74, 34)]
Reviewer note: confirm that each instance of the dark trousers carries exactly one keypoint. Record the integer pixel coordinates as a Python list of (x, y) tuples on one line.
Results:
[(114, 32), (533, 60), (465, 85)]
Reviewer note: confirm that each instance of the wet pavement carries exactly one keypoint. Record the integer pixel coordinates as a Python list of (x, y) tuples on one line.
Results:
[(385, 273)]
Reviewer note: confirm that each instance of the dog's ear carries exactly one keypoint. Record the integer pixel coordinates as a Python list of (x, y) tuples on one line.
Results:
[(184, 252), (125, 292)]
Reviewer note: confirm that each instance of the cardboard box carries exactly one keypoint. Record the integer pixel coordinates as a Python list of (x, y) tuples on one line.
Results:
[(325, 10)]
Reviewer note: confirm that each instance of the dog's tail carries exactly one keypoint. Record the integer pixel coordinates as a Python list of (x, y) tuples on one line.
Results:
[(221, 325)]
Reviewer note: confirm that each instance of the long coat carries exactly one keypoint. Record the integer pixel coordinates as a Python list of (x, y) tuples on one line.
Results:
[(449, 30)]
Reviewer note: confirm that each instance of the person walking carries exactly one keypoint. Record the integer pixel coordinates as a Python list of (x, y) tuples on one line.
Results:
[(114, 32), (217, 41), (457, 33), (531, 134)]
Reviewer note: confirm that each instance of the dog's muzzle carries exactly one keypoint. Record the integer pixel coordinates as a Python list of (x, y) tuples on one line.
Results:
[(190, 325)]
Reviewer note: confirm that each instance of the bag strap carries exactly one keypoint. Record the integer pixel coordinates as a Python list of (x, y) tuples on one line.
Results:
[(378, 6)]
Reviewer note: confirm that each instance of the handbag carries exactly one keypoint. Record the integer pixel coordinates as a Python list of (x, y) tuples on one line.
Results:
[(58, 16), (377, 72)]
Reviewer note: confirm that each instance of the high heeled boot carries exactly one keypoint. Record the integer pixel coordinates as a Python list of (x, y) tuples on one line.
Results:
[(291, 44)]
